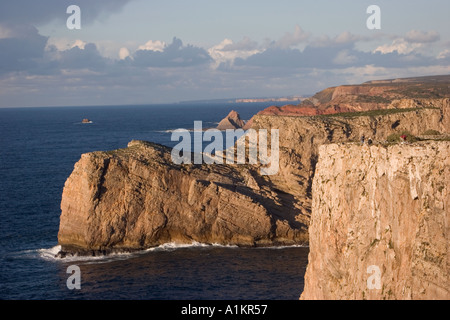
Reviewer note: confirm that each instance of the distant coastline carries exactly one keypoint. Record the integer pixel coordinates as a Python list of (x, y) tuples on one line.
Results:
[(297, 99)]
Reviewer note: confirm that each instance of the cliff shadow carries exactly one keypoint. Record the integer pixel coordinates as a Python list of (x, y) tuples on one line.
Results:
[(282, 207)]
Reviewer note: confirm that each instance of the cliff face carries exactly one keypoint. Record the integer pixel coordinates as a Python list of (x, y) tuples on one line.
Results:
[(380, 222), (136, 198), (300, 138)]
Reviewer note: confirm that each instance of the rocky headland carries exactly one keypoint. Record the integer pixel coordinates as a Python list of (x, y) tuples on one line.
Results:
[(135, 198)]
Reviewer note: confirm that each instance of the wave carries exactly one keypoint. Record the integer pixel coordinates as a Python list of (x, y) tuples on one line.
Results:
[(51, 254), (285, 247), (171, 246), (189, 130), (165, 131)]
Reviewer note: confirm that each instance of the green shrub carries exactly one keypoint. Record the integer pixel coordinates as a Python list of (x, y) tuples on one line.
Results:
[(396, 137)]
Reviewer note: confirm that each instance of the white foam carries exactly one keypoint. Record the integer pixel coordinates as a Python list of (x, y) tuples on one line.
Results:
[(285, 247), (51, 253), (165, 131), (171, 246)]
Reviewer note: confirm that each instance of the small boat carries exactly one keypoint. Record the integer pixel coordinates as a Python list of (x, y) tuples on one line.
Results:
[(86, 121)]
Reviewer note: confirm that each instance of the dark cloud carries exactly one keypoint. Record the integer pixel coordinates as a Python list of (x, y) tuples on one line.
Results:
[(36, 12), (28, 52), (174, 55), (87, 58), (23, 52)]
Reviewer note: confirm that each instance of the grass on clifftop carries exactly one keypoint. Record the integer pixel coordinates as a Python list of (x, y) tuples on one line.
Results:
[(396, 137), (372, 113)]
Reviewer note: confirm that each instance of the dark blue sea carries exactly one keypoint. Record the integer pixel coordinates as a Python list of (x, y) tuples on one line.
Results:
[(38, 150)]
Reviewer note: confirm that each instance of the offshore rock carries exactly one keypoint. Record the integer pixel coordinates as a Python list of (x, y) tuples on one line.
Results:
[(231, 121)]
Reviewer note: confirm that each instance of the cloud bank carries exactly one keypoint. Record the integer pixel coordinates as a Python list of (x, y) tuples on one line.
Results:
[(36, 70)]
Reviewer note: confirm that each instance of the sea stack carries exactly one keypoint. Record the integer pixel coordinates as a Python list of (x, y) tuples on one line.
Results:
[(231, 121)]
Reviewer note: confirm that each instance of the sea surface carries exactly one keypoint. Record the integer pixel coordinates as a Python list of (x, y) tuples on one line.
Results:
[(38, 150)]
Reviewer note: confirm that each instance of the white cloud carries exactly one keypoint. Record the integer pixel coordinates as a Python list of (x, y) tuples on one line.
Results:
[(153, 46), (401, 46), (444, 54), (123, 53), (366, 71), (348, 37), (5, 32), (78, 43), (341, 39), (292, 39), (227, 51), (64, 44), (246, 44)]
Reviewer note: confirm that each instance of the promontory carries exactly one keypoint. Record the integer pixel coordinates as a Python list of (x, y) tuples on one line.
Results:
[(374, 215)]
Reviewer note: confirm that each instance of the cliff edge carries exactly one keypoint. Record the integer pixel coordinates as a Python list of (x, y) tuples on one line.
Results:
[(380, 222)]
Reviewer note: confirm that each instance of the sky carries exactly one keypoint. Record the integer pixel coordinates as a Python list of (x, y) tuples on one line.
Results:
[(150, 52)]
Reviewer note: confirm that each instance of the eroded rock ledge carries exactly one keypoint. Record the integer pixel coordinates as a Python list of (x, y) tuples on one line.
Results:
[(136, 198)]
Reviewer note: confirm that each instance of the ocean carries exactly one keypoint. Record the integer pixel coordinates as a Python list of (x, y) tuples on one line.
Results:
[(39, 147)]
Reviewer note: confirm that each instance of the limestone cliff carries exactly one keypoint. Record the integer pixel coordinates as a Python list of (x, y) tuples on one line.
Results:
[(137, 198), (382, 208)]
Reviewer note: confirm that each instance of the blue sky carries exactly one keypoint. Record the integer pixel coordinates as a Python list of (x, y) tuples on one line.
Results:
[(140, 51)]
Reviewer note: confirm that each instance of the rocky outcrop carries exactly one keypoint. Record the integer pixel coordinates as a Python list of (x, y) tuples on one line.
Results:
[(231, 121), (380, 222), (136, 198), (373, 95)]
